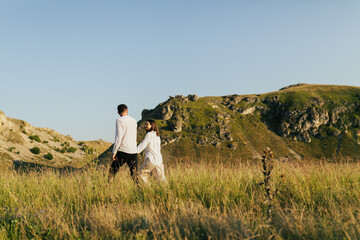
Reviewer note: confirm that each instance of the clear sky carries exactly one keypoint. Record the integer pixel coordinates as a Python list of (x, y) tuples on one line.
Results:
[(67, 64)]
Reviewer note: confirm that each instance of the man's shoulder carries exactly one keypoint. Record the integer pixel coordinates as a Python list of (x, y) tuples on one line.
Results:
[(127, 118), (130, 118)]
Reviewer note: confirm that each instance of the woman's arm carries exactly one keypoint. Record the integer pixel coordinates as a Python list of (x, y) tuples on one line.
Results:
[(144, 143)]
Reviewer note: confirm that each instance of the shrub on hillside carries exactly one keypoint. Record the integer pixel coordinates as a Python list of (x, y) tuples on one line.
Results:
[(87, 149), (60, 150), (35, 150), (49, 156), (35, 138), (11, 149), (71, 150), (65, 144)]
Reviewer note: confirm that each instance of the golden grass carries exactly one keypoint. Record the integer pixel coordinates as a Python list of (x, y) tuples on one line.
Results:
[(201, 201)]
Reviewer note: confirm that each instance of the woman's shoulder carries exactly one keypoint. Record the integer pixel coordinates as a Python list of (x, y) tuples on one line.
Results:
[(151, 134)]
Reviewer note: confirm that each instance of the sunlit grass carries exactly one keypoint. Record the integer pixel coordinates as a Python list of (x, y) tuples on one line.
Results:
[(313, 201)]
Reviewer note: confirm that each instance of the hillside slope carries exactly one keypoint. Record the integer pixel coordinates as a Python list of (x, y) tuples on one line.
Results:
[(19, 140), (297, 122), (301, 121)]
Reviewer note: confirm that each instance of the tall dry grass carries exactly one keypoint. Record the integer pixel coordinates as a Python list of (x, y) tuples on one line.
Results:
[(200, 201)]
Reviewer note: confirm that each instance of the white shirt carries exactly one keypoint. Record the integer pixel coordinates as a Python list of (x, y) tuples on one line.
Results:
[(125, 137), (151, 144)]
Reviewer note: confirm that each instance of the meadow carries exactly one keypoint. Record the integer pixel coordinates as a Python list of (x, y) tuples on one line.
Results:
[(312, 200)]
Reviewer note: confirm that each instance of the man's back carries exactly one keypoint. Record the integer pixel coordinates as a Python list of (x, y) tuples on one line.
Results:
[(125, 138)]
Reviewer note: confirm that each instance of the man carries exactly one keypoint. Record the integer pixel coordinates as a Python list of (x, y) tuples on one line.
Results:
[(125, 148)]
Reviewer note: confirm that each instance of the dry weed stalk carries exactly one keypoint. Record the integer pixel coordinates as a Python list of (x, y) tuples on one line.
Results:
[(267, 160)]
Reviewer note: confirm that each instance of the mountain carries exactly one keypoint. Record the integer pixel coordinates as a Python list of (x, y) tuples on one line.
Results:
[(301, 121), (298, 122), (19, 141)]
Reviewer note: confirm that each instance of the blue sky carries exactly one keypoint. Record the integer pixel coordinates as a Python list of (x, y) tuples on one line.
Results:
[(67, 64)]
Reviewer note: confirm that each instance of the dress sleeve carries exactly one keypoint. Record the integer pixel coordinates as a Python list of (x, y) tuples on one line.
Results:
[(144, 143)]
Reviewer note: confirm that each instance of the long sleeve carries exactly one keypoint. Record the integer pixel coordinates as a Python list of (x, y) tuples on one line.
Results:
[(118, 136), (151, 144), (144, 143)]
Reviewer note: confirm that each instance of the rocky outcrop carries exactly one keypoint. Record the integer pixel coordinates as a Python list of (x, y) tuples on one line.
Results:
[(176, 124), (302, 124), (300, 113), (193, 97), (224, 121), (166, 111), (292, 86)]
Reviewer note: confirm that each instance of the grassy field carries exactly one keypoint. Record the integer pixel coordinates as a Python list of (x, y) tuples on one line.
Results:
[(200, 201)]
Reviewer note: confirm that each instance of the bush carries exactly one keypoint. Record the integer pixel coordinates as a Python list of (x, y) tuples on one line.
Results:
[(65, 144), (49, 156), (45, 141), (60, 150), (87, 149), (35, 150), (71, 150), (35, 138), (11, 149)]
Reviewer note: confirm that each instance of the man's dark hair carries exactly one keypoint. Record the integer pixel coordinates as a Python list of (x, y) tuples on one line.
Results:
[(121, 108)]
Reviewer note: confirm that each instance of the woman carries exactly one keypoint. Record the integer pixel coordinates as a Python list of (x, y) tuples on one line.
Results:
[(153, 160)]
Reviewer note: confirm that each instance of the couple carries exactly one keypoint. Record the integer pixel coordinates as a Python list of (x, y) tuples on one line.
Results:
[(125, 149)]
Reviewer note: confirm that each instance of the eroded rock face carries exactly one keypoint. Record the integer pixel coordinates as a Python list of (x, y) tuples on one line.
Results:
[(335, 114), (167, 112), (302, 124), (2, 120), (232, 100), (193, 97), (251, 100), (318, 101), (177, 125), (225, 127)]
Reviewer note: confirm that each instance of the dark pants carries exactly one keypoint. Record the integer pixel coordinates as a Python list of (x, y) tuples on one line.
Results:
[(121, 159)]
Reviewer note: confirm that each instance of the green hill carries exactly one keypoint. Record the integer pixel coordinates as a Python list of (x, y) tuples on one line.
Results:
[(297, 122)]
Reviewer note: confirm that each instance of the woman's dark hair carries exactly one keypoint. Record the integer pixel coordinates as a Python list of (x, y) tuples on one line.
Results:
[(154, 127)]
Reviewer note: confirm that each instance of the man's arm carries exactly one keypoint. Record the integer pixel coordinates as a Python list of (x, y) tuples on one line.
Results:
[(118, 138)]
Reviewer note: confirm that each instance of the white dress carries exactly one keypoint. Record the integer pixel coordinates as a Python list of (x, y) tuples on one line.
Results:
[(153, 159)]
